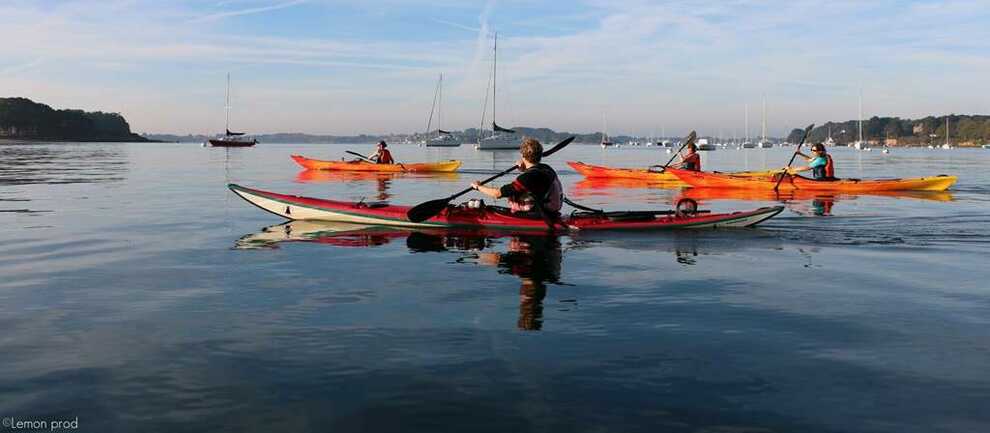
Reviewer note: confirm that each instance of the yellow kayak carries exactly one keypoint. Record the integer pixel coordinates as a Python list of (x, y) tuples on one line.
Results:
[(316, 164)]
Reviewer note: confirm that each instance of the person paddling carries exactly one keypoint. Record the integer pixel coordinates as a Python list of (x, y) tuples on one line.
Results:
[(692, 160), (383, 156), (820, 163), (536, 189)]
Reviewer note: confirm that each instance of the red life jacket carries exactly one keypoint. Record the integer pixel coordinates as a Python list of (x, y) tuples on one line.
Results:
[(825, 172), (692, 162), (385, 157)]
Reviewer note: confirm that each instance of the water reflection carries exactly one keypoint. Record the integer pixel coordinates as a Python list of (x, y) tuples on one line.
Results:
[(536, 259), (28, 164)]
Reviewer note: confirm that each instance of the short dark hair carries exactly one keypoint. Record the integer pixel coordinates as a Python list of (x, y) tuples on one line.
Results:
[(531, 150), (818, 146)]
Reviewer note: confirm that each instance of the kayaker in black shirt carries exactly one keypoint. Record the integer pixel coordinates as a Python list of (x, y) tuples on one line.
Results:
[(538, 181)]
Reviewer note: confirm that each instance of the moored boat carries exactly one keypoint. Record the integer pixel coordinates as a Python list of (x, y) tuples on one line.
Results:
[(316, 164), (492, 217), (719, 180), (231, 139)]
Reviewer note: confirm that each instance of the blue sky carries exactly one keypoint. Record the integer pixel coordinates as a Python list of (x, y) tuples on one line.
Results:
[(343, 67)]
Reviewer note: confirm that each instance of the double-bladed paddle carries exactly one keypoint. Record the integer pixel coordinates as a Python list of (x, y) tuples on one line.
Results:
[(807, 132), (427, 210), (687, 140), (360, 156), (371, 160)]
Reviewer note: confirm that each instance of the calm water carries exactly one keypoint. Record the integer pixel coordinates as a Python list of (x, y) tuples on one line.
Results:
[(139, 294)]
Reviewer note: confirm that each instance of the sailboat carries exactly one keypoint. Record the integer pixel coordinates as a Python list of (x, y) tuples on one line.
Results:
[(231, 139), (499, 138), (947, 145), (860, 144), (764, 143), (443, 138), (605, 141)]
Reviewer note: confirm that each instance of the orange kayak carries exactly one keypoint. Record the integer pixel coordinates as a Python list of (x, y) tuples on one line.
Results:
[(706, 194), (792, 182), (600, 171), (316, 164)]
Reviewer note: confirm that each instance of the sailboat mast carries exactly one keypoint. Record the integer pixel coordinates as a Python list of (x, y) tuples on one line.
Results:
[(860, 115), (764, 118), (947, 130), (494, 78), (439, 105), (746, 140), (433, 108), (226, 107)]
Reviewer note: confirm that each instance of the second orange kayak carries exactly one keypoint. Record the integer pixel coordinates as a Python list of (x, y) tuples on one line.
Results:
[(791, 182), (316, 164), (600, 171)]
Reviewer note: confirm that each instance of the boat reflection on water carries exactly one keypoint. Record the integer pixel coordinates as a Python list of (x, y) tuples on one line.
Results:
[(383, 180), (535, 258)]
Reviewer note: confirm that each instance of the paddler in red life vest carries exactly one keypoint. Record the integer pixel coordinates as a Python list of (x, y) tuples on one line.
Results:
[(383, 156), (691, 161), (536, 189), (820, 163)]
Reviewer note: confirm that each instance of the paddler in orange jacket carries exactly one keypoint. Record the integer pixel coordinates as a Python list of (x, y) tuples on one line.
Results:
[(691, 161)]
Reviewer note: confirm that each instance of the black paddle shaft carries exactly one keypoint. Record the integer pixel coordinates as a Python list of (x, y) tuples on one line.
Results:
[(807, 132), (687, 140), (360, 156), (429, 209), (510, 170)]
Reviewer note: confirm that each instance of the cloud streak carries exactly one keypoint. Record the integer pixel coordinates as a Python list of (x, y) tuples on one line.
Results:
[(249, 11)]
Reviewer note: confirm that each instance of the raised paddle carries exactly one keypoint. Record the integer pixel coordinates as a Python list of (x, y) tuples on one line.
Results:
[(687, 140), (807, 132), (373, 161), (427, 210), (360, 156)]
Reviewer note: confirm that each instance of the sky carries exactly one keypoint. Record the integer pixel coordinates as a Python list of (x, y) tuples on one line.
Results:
[(347, 67)]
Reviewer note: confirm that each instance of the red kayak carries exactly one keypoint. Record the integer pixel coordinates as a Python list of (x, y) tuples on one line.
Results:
[(492, 217)]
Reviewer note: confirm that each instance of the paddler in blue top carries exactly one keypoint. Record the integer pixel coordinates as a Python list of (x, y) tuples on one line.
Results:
[(820, 163), (536, 189)]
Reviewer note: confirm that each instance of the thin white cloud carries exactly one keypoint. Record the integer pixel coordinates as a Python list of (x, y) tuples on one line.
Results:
[(248, 11), (13, 69), (456, 25)]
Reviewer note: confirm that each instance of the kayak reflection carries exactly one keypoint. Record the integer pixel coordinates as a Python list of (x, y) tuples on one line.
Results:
[(535, 258)]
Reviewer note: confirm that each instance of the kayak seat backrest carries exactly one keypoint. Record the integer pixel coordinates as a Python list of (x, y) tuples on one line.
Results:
[(631, 216), (370, 205), (502, 210)]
